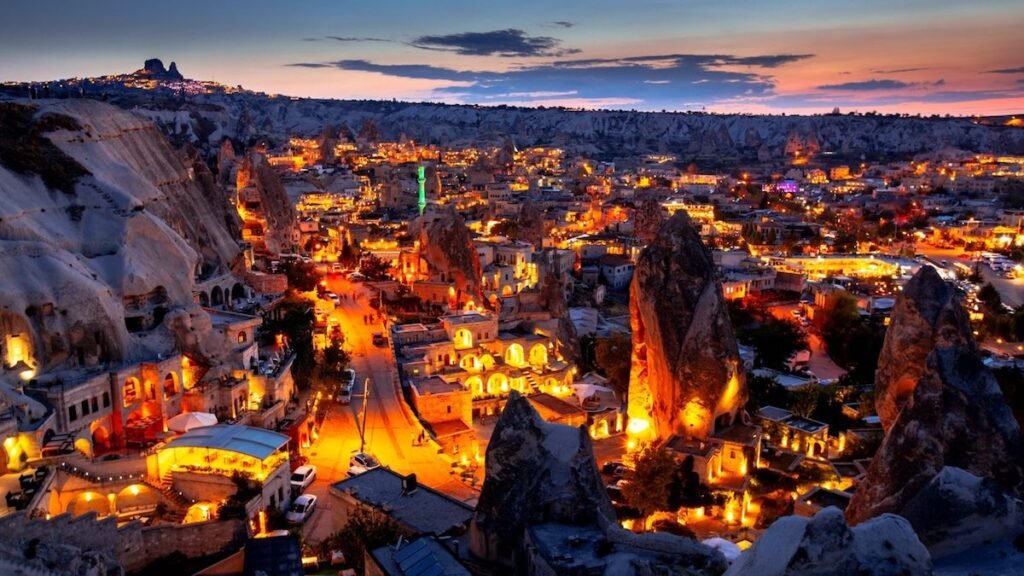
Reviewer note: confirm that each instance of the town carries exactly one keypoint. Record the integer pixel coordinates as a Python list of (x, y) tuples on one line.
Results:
[(342, 351)]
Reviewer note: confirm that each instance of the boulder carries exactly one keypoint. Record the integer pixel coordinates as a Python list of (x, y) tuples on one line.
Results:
[(927, 315), (826, 545), (686, 370), (958, 512)]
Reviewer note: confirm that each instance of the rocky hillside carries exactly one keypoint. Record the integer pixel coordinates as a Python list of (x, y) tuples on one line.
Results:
[(249, 116), (120, 231)]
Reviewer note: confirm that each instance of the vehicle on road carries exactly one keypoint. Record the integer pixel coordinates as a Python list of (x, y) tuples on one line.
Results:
[(333, 297), (361, 463), (379, 339), (336, 268), (302, 477), (356, 277), (343, 396), (301, 509), (348, 378)]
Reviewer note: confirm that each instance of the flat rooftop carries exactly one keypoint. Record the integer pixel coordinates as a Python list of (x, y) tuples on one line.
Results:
[(689, 446), (556, 405), (436, 385), (425, 510)]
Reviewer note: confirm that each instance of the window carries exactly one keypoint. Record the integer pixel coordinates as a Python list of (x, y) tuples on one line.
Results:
[(72, 413), (131, 391), (170, 386), (732, 454), (449, 409), (85, 407), (242, 337), (106, 399), (95, 404)]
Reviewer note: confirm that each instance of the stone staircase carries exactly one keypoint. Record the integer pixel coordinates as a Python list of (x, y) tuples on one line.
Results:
[(531, 381)]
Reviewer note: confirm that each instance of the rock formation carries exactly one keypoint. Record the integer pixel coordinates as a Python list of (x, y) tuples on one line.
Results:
[(154, 68), (446, 246), (267, 207), (531, 223), (648, 219), (927, 316), (686, 371), (538, 473), (824, 544), (956, 417)]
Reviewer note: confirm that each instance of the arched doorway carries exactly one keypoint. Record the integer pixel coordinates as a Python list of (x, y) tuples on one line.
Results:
[(131, 391), (463, 339), (497, 383), (170, 385), (538, 356), (470, 363), (89, 502), (216, 296), (135, 498), (204, 299), (487, 362), (238, 292), (514, 355), (100, 438), (475, 385)]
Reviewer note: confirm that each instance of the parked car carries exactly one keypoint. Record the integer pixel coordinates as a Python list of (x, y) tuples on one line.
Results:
[(611, 466), (348, 378), (356, 277), (301, 509), (343, 396), (302, 477), (361, 463), (379, 339), (333, 297)]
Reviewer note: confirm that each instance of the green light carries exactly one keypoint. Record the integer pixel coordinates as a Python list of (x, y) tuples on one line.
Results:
[(421, 177)]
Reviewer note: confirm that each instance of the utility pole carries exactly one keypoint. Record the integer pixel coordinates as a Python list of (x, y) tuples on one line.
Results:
[(362, 428)]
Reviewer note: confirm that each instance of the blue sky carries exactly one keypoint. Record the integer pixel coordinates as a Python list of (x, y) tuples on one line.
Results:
[(730, 55)]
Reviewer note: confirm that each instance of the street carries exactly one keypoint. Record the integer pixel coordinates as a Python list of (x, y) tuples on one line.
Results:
[(391, 428), (820, 363)]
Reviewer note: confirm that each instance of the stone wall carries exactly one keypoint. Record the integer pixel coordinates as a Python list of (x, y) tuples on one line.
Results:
[(193, 540)]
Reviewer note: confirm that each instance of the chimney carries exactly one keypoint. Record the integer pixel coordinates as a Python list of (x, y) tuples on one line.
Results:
[(408, 484)]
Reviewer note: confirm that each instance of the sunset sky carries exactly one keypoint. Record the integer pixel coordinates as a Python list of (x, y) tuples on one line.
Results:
[(912, 56)]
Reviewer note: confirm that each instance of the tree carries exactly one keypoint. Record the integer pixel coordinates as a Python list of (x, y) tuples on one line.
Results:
[(776, 341), (614, 357), (989, 296), (655, 478), (841, 316), (374, 268), (336, 359), (805, 400), (293, 318), (366, 529), (302, 276)]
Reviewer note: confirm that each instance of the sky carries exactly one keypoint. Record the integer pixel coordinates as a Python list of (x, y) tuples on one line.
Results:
[(767, 56)]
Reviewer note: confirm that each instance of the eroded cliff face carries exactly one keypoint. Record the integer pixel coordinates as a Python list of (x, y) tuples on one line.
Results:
[(446, 246), (958, 417), (686, 371), (927, 316), (531, 223), (265, 206), (125, 243)]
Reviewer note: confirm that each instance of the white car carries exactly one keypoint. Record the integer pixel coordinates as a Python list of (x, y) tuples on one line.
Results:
[(301, 509), (348, 379), (302, 477), (361, 463)]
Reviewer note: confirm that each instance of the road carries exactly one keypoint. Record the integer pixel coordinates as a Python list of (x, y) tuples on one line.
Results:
[(391, 428), (821, 363)]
